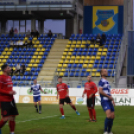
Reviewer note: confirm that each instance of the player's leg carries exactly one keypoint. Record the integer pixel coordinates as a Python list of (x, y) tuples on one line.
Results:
[(36, 107), (93, 110), (12, 124), (90, 107), (40, 106), (61, 109)]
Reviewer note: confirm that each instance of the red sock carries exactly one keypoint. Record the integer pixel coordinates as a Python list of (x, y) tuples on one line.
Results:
[(2, 123), (73, 107), (90, 114), (12, 126), (94, 113), (62, 111)]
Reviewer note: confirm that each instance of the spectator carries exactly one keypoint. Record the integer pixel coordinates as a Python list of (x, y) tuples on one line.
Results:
[(15, 31), (11, 32), (36, 34), (92, 40), (103, 37), (12, 44), (50, 34), (11, 71), (17, 68), (32, 34), (23, 68), (28, 34)]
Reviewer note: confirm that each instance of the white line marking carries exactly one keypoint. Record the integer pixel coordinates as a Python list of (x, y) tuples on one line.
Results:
[(38, 119)]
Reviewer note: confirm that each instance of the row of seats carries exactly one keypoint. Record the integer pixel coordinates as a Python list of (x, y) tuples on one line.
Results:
[(6, 3), (50, 2)]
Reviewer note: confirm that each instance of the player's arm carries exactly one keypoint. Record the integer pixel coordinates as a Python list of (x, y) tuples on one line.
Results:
[(94, 90), (31, 90), (84, 92), (66, 87), (42, 90), (57, 93), (104, 94)]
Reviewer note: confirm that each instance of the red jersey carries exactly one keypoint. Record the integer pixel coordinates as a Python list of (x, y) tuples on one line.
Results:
[(90, 88), (62, 90), (6, 86)]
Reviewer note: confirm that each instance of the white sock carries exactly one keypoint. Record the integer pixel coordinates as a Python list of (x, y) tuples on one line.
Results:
[(12, 133), (63, 115)]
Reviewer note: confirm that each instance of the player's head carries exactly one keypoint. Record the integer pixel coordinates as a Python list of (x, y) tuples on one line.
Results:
[(6, 69), (60, 79), (89, 78), (103, 73), (35, 81)]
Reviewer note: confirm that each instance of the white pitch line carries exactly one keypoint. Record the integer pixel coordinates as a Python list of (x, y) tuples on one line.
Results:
[(38, 119)]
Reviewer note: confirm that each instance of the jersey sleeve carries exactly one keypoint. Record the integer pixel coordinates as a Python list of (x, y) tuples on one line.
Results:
[(101, 84), (1, 90), (95, 88), (32, 88), (39, 86), (65, 86)]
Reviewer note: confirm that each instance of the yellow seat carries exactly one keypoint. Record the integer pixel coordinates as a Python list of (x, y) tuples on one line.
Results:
[(30, 65), (0, 60), (96, 46), (34, 39), (68, 57), (91, 46), (84, 42), (91, 61), (104, 53), (78, 42), (43, 49), (25, 39), (98, 57), (66, 61), (38, 49), (92, 57), (59, 65), (61, 61), (40, 46), (10, 49), (33, 42), (105, 50), (86, 61), (63, 70), (64, 53), (3, 60), (72, 57), (88, 41), (1, 64), (98, 74), (58, 70), (64, 65), (81, 61), (69, 53), (66, 50), (88, 57), (82, 46), (88, 70), (35, 46), (61, 74), (37, 61), (72, 46), (90, 65), (74, 42), (77, 57), (93, 74), (77, 46), (1, 57), (71, 50), (67, 46), (32, 61), (84, 65), (6, 57), (98, 53), (69, 42), (8, 53), (6, 49), (36, 53), (93, 70), (100, 49), (76, 61), (63, 57), (1, 72), (83, 57), (4, 53), (14, 68), (28, 69), (39, 57), (35, 65), (71, 61), (41, 53)]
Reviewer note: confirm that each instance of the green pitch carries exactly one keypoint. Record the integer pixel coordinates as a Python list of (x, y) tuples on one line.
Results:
[(29, 122)]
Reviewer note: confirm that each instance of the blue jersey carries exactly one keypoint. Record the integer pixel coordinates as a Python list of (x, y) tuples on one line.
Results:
[(103, 83), (36, 89)]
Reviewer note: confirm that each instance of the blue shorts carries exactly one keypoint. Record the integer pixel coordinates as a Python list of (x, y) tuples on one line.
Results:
[(107, 105), (36, 98)]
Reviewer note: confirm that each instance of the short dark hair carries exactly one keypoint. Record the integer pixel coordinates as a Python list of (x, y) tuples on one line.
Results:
[(3, 67), (59, 77)]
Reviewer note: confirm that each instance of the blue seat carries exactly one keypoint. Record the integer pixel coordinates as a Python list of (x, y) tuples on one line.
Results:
[(107, 58), (71, 39), (109, 53), (18, 78), (13, 77), (66, 74), (102, 57), (109, 50), (40, 65), (87, 74), (109, 74), (95, 65), (91, 49), (89, 53), (36, 74), (85, 39), (112, 58), (114, 50), (34, 77), (15, 83), (106, 62), (23, 78), (78, 86), (28, 78), (115, 46), (79, 53), (110, 46), (72, 70), (84, 54), (112, 43), (74, 53), (96, 49), (69, 65), (113, 54), (116, 43), (38, 69), (72, 35), (83, 70), (71, 74), (94, 53), (101, 62), (82, 74), (79, 65), (74, 65), (111, 62), (77, 70), (105, 66), (109, 70), (85, 49), (42, 61), (76, 74), (77, 35), (46, 53), (96, 61), (76, 49), (107, 43), (111, 66), (98, 70)]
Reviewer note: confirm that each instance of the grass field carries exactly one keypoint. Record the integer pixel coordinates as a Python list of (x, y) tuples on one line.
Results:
[(29, 122)]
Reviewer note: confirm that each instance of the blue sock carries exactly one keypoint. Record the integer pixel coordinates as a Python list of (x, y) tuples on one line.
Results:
[(106, 125), (0, 131), (110, 125), (40, 107)]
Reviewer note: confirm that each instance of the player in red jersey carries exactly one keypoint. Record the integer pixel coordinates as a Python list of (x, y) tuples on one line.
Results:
[(63, 93), (8, 106), (90, 89)]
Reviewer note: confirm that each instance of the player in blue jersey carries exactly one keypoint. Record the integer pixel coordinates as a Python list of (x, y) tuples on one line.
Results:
[(36, 88), (107, 101)]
